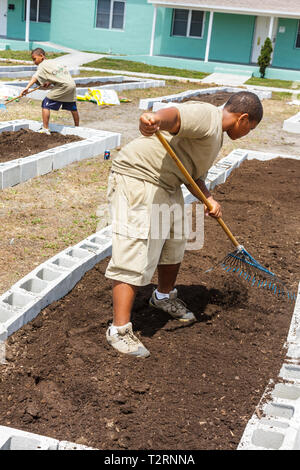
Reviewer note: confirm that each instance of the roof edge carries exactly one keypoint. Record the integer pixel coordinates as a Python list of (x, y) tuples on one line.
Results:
[(224, 9)]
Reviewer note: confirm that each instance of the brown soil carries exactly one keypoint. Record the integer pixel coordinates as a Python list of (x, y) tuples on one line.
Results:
[(214, 98), (99, 83), (201, 384), (25, 142)]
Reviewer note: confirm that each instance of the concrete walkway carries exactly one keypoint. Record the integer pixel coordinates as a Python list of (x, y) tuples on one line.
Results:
[(73, 58), (226, 79)]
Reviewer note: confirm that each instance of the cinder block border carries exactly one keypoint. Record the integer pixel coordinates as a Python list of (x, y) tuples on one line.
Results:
[(20, 170), (20, 71), (292, 124), (14, 439), (157, 103), (279, 426), (137, 83)]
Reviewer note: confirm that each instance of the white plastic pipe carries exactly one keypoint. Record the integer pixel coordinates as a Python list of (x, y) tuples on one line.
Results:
[(27, 21), (271, 26), (153, 30), (211, 19)]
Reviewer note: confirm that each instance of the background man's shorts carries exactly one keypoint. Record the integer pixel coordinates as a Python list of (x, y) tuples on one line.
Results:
[(139, 241), (47, 103)]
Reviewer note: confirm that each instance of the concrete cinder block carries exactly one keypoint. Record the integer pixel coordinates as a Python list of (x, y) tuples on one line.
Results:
[(28, 168), (64, 155), (20, 125), (14, 439), (44, 163), (23, 305), (11, 174), (292, 124), (66, 445), (6, 128)]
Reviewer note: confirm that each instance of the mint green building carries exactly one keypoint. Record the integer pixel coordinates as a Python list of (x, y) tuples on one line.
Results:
[(207, 32)]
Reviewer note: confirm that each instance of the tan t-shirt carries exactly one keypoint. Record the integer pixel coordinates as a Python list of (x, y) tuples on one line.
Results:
[(197, 145), (64, 88)]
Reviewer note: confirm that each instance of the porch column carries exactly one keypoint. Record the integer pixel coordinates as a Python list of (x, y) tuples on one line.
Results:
[(153, 30), (271, 26), (27, 21), (211, 19)]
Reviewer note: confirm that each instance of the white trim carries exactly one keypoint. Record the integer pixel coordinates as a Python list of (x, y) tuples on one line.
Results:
[(153, 31), (271, 26), (27, 31), (223, 9), (210, 25), (188, 27)]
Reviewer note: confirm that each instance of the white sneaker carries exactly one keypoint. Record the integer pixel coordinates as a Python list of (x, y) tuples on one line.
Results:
[(43, 130), (126, 342)]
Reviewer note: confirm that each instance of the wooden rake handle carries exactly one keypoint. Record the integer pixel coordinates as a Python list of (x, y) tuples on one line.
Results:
[(21, 96), (196, 188)]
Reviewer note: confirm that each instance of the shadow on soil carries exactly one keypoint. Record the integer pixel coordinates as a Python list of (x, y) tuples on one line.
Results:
[(198, 299)]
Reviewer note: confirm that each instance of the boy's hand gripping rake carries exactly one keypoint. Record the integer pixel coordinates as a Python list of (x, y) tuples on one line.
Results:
[(239, 261), (2, 104)]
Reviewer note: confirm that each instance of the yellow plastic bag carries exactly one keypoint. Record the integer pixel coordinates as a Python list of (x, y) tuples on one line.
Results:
[(104, 97)]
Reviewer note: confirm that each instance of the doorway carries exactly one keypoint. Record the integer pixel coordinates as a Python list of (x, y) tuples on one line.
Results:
[(262, 31)]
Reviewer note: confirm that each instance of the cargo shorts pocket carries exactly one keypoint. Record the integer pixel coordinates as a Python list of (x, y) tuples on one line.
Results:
[(129, 209)]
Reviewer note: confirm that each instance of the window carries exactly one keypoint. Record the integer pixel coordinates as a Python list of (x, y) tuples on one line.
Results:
[(40, 11), (298, 36), (188, 23), (110, 14)]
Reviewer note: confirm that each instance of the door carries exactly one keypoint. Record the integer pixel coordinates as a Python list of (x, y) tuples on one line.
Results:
[(3, 17), (265, 27)]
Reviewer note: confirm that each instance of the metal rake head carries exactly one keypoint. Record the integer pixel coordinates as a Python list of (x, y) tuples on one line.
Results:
[(246, 267)]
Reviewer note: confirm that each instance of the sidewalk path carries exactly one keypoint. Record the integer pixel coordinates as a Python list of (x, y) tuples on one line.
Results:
[(73, 58), (226, 79)]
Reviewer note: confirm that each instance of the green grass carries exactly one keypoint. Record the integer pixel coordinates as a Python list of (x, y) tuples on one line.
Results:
[(9, 63), (26, 55), (281, 95), (106, 63), (273, 82)]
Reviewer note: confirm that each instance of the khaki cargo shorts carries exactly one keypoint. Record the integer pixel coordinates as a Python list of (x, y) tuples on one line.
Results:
[(143, 234)]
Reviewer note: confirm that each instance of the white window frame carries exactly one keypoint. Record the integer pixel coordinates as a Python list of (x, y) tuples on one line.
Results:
[(189, 21), (37, 20), (111, 16), (298, 34)]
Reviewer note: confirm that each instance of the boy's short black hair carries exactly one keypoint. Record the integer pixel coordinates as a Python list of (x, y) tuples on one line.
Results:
[(38, 51), (245, 102)]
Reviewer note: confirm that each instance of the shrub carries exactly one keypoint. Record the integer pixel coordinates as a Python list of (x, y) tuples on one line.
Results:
[(264, 59)]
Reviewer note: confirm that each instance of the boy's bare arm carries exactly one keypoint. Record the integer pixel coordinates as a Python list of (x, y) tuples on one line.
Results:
[(216, 208), (167, 119), (30, 84)]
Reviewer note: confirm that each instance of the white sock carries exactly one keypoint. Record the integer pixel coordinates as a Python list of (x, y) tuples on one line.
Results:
[(114, 329), (161, 296)]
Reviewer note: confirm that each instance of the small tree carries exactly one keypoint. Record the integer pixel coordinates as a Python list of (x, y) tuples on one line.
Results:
[(264, 59)]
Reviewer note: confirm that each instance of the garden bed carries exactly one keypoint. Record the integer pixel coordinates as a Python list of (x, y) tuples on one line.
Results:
[(85, 143), (25, 142), (115, 82), (97, 83), (216, 98), (201, 383), (164, 101)]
